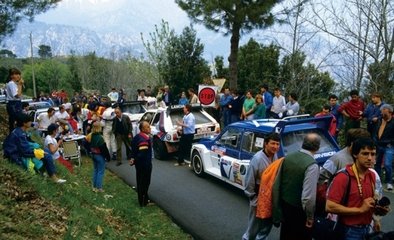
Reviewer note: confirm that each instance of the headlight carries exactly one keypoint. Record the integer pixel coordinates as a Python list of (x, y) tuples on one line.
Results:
[(242, 170), (168, 137)]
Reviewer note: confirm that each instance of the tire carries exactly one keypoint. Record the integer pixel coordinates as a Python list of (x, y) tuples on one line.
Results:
[(159, 149), (197, 164)]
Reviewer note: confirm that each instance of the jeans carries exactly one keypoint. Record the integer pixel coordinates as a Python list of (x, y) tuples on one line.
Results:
[(386, 154), (13, 109), (49, 163), (226, 117), (98, 170), (257, 228), (356, 233)]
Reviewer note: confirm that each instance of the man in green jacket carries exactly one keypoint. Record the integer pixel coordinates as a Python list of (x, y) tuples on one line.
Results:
[(298, 182)]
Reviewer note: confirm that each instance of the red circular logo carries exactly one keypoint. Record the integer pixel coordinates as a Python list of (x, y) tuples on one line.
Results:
[(206, 96)]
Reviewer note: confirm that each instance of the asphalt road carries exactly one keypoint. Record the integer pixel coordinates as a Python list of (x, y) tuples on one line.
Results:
[(206, 208)]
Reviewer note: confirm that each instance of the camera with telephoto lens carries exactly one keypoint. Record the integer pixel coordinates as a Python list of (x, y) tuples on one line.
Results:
[(382, 203)]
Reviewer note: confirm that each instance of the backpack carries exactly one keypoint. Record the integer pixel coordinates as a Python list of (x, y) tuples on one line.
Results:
[(321, 194)]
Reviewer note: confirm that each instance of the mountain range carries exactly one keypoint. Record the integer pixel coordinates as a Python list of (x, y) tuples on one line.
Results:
[(106, 27), (63, 39)]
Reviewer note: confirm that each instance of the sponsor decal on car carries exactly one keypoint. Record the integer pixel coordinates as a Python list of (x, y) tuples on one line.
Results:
[(325, 154), (219, 150), (237, 173)]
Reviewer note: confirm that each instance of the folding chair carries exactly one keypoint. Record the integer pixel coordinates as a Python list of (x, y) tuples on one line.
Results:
[(71, 151)]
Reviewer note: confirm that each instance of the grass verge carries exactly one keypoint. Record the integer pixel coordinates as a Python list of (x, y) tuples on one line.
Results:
[(33, 207)]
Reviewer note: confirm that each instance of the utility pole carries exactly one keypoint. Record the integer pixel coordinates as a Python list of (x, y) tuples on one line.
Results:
[(32, 66)]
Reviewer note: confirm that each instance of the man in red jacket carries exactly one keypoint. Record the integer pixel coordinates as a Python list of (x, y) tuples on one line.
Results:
[(353, 111)]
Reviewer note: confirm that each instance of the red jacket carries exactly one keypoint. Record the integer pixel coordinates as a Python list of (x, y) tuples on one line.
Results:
[(353, 108)]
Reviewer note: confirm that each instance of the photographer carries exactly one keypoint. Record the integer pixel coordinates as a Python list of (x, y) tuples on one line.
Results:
[(355, 215)]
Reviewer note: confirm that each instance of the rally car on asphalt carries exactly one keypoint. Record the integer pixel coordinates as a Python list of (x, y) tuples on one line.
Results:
[(166, 133), (227, 156)]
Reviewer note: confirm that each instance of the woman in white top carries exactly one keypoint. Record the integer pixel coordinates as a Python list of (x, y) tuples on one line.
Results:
[(52, 145)]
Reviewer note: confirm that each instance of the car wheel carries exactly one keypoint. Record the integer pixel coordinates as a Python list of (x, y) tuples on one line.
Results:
[(159, 149), (197, 164)]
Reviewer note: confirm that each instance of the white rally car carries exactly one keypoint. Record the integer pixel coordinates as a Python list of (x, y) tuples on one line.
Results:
[(166, 133)]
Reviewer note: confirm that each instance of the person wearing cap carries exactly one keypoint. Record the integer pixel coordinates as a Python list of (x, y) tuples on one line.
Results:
[(52, 145), (13, 90), (384, 137), (17, 147)]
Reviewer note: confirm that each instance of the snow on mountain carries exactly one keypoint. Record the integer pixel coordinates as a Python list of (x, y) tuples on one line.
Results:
[(63, 39), (105, 26)]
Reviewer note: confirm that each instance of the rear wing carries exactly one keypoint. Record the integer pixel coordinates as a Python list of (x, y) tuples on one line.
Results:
[(280, 126), (136, 102), (175, 107)]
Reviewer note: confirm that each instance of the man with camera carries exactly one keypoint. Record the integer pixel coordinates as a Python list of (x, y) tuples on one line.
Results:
[(355, 213)]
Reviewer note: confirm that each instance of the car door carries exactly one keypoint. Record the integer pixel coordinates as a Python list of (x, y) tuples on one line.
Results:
[(225, 152), (252, 142)]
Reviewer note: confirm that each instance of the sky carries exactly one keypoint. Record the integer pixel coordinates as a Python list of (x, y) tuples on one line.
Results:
[(133, 17)]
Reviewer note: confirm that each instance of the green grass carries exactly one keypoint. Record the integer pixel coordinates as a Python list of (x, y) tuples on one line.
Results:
[(33, 207)]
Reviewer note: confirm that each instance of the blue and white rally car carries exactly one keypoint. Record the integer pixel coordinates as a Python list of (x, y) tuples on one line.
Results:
[(227, 156)]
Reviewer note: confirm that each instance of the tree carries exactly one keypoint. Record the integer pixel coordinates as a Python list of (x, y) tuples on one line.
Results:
[(5, 53), (257, 63), (44, 51), (310, 85), (13, 11), (178, 58), (95, 72), (157, 46), (232, 16), (220, 70), (75, 81), (365, 35), (186, 67), (49, 74)]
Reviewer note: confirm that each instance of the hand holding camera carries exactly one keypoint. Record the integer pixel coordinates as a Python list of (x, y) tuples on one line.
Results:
[(382, 206)]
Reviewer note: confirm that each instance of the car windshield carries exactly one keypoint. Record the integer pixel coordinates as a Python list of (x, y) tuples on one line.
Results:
[(133, 108), (199, 117), (292, 141), (39, 105)]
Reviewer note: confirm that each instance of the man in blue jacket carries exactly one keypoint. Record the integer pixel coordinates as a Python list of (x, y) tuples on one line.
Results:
[(267, 97)]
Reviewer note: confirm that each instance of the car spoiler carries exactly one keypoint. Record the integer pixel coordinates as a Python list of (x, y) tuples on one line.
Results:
[(136, 102), (280, 126), (194, 106)]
